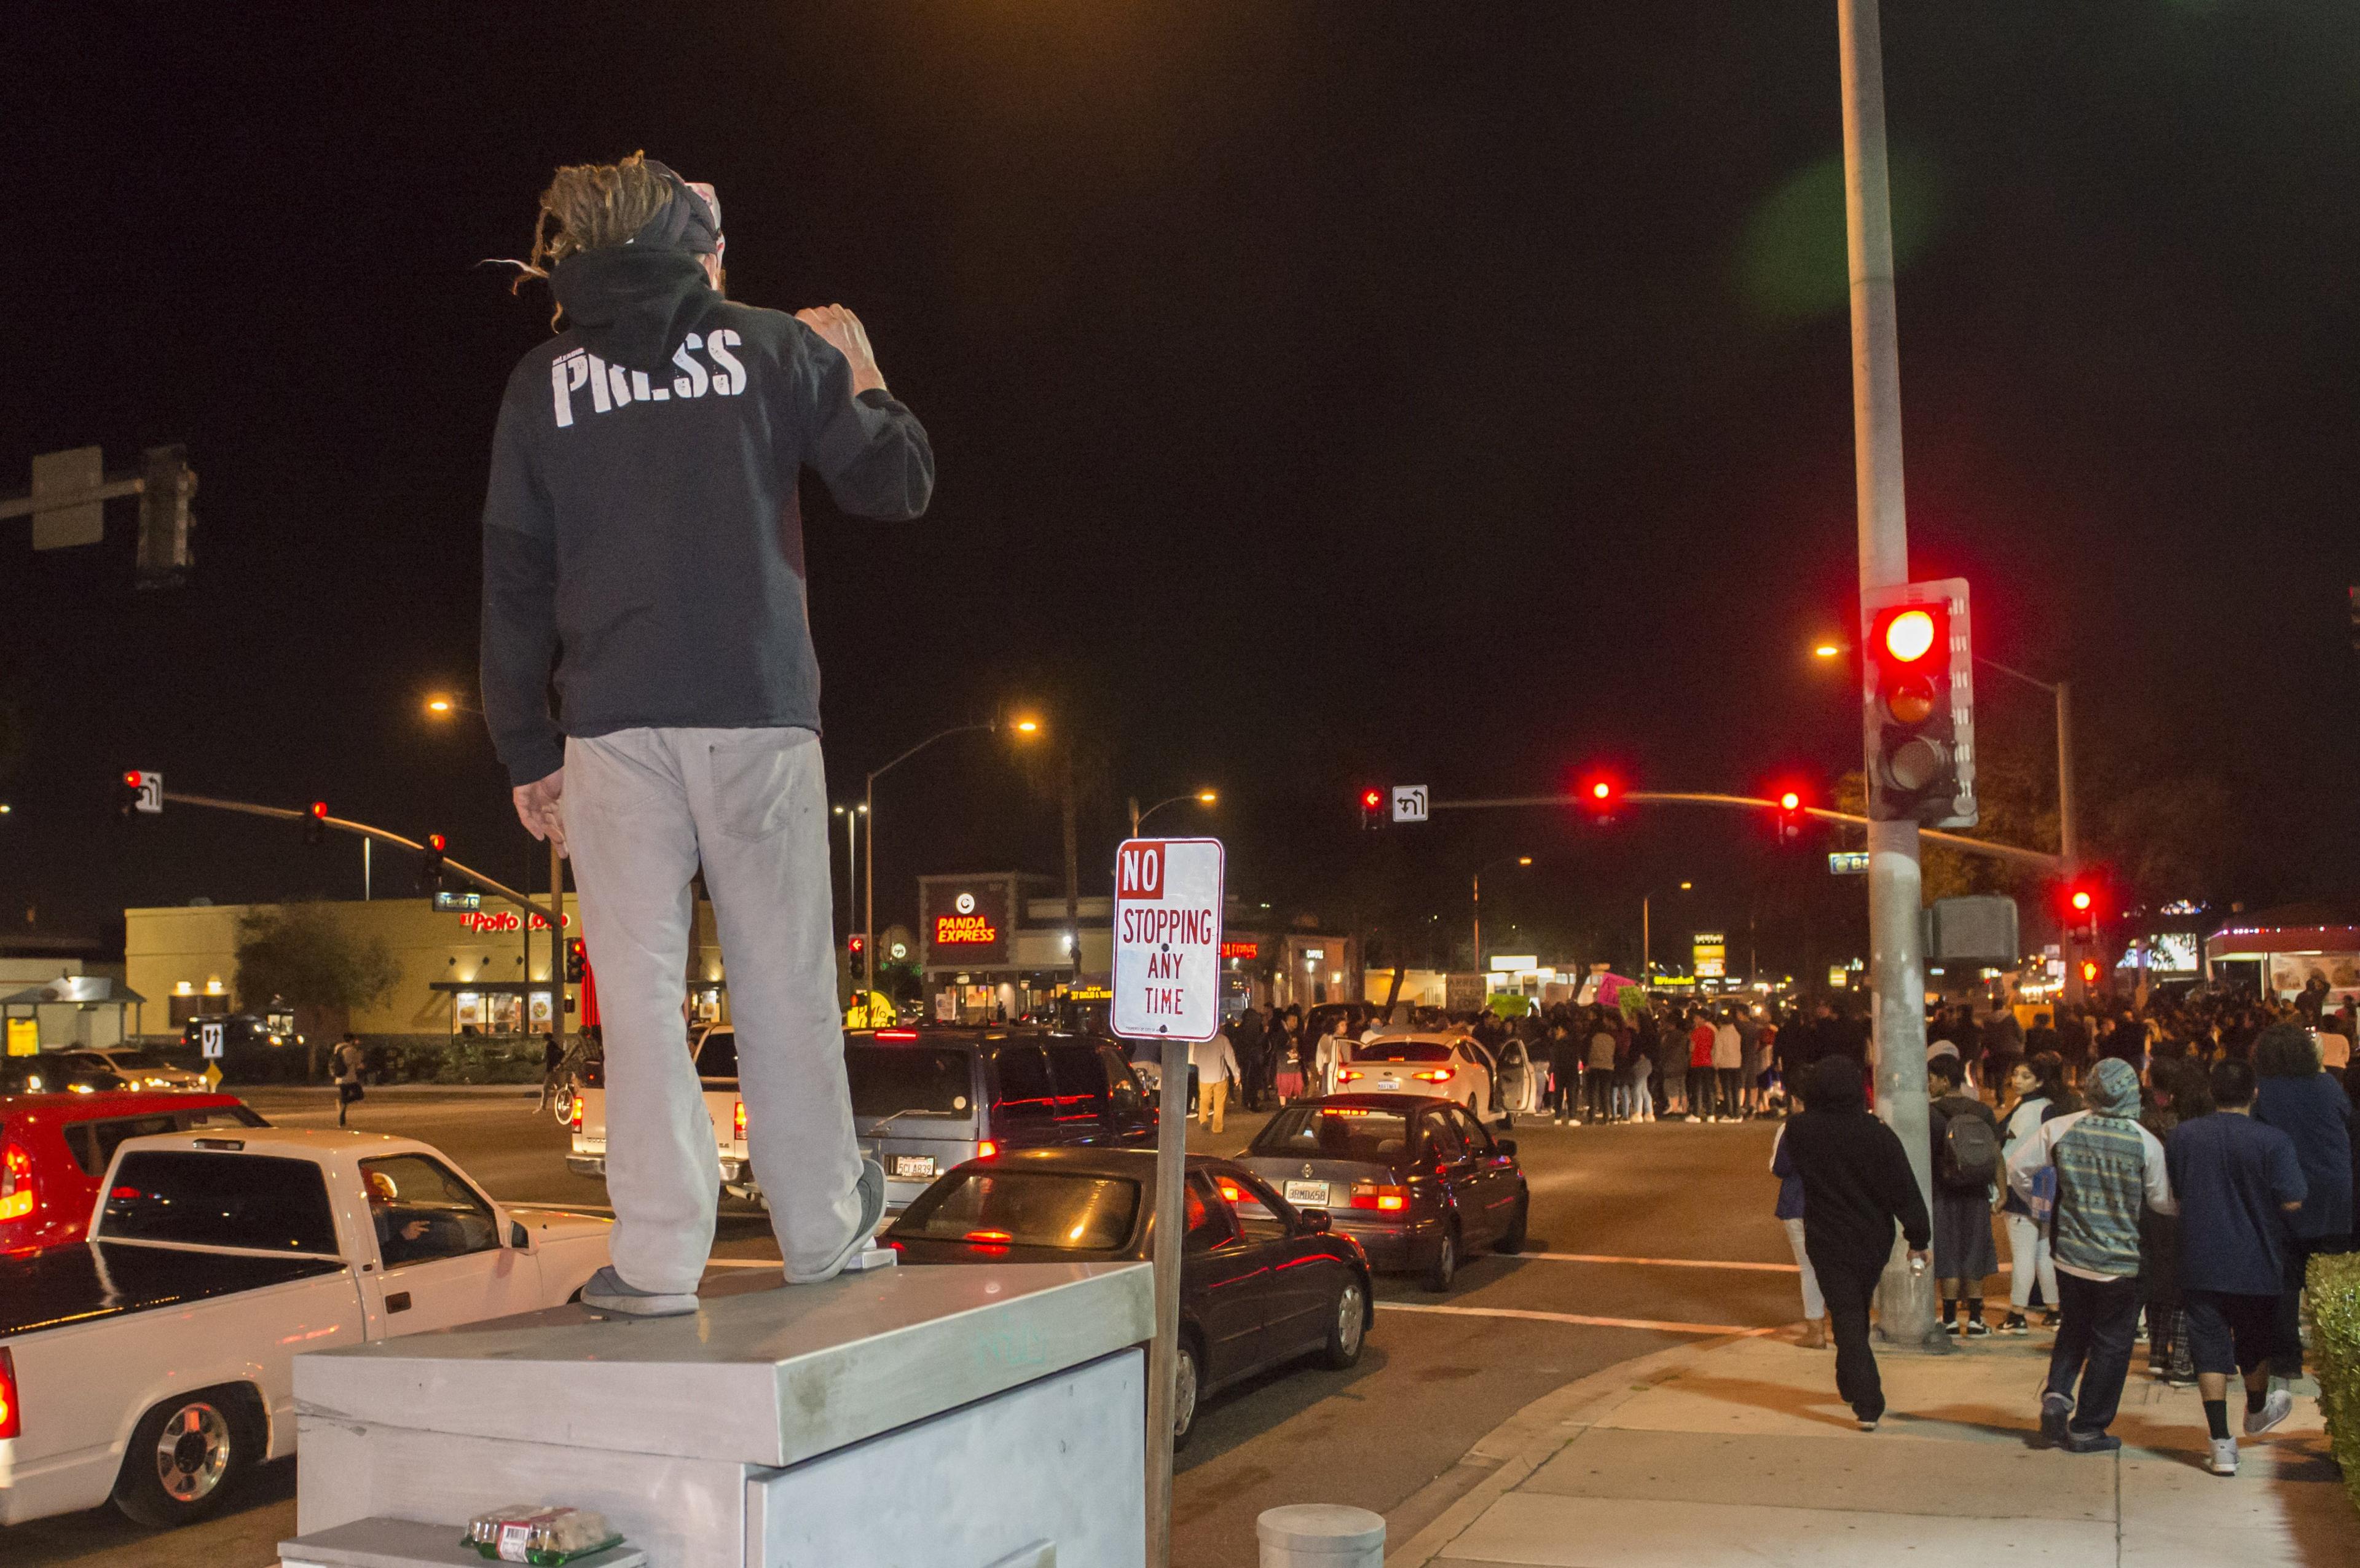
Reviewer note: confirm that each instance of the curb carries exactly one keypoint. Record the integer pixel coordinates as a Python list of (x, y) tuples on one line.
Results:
[(1504, 1456)]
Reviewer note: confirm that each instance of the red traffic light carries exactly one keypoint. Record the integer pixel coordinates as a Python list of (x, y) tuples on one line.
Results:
[(2088, 972), (1910, 635), (2081, 899), (1790, 802), (1371, 799), (134, 777), (1601, 790), (436, 842), (320, 810)]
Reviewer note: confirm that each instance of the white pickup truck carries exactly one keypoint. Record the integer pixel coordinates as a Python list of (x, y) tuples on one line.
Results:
[(149, 1364)]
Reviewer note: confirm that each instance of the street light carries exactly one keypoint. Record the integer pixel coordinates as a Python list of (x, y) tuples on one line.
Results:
[(851, 815), (1026, 726), (1202, 797), (442, 706), (1476, 882)]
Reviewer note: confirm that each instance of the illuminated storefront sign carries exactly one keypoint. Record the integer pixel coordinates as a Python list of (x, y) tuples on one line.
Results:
[(1241, 950), (965, 923), (498, 921), (955, 930), (1711, 956)]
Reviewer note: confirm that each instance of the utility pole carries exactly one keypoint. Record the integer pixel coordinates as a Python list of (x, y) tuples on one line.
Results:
[(1073, 869), (1896, 949)]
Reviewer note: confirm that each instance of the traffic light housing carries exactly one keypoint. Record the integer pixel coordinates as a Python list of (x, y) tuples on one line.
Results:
[(164, 521), (577, 960), (315, 822), (1791, 817), (857, 943), (429, 872), (1917, 690), (2081, 904), (1600, 797), (1372, 810), (128, 787)]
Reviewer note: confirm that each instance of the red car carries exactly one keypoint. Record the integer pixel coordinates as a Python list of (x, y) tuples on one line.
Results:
[(54, 1150)]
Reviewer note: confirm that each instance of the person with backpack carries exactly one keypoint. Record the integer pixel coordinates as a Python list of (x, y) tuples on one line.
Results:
[(347, 1063), (1966, 1164), (2107, 1167)]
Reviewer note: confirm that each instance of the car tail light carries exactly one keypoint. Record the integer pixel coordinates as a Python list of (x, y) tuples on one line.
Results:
[(1000, 1237), (575, 1120), (1350, 1076), (12, 1422), (16, 1182), (1433, 1074), (897, 1034), (1230, 1189), (1384, 1200), (986, 1149), (738, 1118)]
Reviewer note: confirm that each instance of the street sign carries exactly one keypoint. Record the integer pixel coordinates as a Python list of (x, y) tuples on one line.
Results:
[(151, 793), (24, 1036), (1168, 938), (1409, 803), (213, 1075), (60, 475), (209, 1040), (1847, 862)]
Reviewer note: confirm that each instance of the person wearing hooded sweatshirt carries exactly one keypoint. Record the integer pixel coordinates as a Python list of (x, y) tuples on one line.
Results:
[(2309, 1107), (1857, 1185), (643, 546), (2108, 1167)]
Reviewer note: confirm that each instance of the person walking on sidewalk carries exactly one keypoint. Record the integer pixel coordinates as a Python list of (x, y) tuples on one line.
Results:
[(1790, 1211), (348, 1064), (2238, 1181), (643, 556), (1214, 1061), (2108, 1167), (2038, 1094), (1857, 1186), (1966, 1169), (2293, 1096)]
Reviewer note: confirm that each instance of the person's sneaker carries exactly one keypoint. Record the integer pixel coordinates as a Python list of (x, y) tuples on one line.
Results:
[(2276, 1408), (606, 1292), (2056, 1409), (1867, 1423), (871, 1188), (2224, 1456), (1951, 1328), (1978, 1329), (2048, 1318), (2014, 1324), (2092, 1443)]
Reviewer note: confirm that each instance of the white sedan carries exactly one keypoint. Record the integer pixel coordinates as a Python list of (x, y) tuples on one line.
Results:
[(1445, 1066), (143, 1069)]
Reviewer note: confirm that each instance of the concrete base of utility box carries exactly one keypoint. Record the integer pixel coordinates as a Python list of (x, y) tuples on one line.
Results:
[(946, 1417)]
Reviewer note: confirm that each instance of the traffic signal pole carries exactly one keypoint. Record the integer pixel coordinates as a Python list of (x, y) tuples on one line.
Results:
[(1896, 950)]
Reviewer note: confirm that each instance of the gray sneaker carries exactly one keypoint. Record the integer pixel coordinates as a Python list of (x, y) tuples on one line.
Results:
[(871, 1188), (2056, 1409), (2276, 1408), (607, 1294)]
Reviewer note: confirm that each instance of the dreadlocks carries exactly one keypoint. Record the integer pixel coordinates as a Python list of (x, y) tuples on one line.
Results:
[(595, 204)]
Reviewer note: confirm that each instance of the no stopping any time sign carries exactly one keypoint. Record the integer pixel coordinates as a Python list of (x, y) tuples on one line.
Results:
[(1168, 938)]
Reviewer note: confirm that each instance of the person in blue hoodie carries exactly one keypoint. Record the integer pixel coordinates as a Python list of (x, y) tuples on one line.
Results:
[(2303, 1102), (643, 554)]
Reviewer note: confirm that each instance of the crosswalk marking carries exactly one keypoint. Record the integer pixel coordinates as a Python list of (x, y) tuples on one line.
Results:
[(1582, 1318)]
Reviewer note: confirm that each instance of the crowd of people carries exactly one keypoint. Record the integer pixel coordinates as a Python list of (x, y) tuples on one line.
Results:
[(2164, 1173)]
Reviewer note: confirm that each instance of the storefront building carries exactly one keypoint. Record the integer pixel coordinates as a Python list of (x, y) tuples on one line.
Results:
[(2282, 951), (464, 964), (996, 946)]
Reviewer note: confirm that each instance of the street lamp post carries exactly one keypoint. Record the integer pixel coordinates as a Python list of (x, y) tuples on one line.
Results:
[(868, 833), (1202, 797), (443, 706), (851, 815), (1647, 934), (1476, 881)]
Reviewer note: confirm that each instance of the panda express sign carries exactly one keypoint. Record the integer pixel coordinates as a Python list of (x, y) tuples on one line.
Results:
[(966, 923)]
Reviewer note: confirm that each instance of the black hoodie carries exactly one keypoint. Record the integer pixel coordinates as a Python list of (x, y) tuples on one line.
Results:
[(1856, 1178), (642, 529)]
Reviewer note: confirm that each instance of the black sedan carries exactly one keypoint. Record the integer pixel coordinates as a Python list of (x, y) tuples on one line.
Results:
[(1419, 1183), (1262, 1282)]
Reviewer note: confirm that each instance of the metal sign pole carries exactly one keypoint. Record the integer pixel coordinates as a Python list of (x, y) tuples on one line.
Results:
[(1162, 1360)]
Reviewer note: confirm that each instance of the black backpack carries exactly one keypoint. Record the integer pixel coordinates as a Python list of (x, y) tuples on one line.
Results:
[(1969, 1154)]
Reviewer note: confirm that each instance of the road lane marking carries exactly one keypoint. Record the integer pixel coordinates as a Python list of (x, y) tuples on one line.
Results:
[(1578, 1318), (1662, 1262)]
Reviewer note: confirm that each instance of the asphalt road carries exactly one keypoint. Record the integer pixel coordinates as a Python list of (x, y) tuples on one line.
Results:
[(1634, 1230)]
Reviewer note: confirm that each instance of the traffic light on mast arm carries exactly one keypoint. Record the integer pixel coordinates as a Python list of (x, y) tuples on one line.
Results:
[(1600, 796), (1919, 692), (128, 786), (1372, 810), (577, 960), (165, 520), (430, 872), (1790, 815), (2081, 904), (315, 822)]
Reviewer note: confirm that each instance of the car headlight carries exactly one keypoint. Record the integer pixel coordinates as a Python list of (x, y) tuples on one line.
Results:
[(274, 1040)]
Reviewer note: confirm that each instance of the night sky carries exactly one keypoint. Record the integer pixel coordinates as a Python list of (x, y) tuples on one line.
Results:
[(1324, 395)]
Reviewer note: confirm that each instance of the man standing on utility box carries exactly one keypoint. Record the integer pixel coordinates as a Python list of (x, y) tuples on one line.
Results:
[(642, 538)]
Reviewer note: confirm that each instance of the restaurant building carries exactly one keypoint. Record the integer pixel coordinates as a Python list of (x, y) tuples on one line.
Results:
[(996, 945), (464, 964)]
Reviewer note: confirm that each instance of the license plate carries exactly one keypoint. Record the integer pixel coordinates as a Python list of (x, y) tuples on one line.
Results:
[(1390, 1084), (1312, 1194), (914, 1165)]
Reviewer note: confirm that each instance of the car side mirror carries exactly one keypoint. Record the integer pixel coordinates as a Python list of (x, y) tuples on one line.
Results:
[(1318, 1222), (520, 1239), (1507, 1146)]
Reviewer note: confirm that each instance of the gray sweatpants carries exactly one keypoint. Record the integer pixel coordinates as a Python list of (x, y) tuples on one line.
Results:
[(642, 808)]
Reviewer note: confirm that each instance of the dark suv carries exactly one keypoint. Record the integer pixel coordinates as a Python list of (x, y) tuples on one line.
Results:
[(925, 1099)]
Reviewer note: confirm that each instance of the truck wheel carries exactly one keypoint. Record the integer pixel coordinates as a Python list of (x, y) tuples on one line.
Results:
[(186, 1458)]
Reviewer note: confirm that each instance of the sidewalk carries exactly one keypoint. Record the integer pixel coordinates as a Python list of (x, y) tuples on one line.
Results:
[(1740, 1452)]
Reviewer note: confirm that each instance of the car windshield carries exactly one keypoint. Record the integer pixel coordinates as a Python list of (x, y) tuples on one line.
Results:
[(1401, 1051), (909, 1081), (1334, 1132), (1068, 1211), (143, 1059)]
